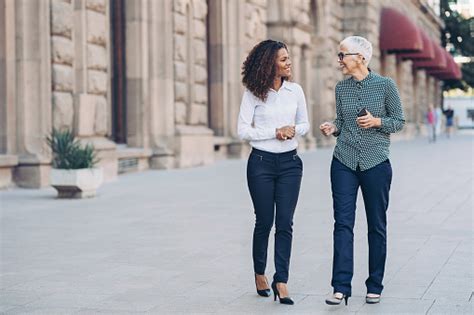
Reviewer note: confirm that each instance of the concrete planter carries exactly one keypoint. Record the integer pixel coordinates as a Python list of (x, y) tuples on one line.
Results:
[(81, 183)]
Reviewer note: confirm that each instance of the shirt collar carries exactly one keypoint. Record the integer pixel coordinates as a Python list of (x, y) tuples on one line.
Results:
[(364, 81), (287, 85), (284, 85)]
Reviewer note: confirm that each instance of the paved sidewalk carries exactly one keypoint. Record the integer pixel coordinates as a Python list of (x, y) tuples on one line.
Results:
[(179, 241)]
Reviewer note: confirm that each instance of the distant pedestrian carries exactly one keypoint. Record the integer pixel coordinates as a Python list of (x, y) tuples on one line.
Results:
[(273, 111), (431, 123), (449, 113), (368, 110)]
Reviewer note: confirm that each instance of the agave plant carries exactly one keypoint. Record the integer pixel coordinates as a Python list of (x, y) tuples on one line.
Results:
[(68, 153)]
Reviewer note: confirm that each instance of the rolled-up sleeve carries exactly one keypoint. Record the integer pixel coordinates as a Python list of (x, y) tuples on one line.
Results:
[(301, 120), (394, 120), (245, 129)]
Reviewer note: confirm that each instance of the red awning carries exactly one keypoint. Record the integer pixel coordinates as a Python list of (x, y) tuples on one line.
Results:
[(438, 63), (427, 52), (398, 33), (452, 71)]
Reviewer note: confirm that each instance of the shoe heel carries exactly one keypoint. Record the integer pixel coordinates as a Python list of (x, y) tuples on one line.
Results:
[(345, 299), (275, 291)]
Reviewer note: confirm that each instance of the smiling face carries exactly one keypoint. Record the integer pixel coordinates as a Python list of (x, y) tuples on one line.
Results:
[(283, 63), (350, 63)]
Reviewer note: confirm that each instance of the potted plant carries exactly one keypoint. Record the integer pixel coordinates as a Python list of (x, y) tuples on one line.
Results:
[(74, 174)]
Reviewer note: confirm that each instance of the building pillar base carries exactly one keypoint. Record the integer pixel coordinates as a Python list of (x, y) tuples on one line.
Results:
[(7, 164), (32, 171), (194, 146)]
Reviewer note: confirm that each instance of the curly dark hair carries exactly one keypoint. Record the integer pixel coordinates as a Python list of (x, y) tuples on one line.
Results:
[(259, 69)]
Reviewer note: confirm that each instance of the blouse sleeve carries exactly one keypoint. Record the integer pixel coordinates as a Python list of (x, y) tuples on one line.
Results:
[(245, 129)]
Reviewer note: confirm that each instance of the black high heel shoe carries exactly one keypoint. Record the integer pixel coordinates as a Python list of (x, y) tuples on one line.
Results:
[(334, 300), (264, 292), (285, 300)]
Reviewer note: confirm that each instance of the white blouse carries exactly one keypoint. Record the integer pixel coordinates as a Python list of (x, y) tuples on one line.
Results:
[(258, 119)]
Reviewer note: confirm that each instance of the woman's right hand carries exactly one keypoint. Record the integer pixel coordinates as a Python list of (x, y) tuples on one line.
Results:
[(285, 133), (327, 128)]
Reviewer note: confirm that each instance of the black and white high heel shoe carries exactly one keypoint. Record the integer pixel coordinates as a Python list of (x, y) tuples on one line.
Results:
[(372, 298), (337, 298)]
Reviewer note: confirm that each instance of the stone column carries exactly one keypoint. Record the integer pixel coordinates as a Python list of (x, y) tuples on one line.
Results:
[(420, 99), (138, 90), (7, 92), (289, 22), (216, 44), (430, 91), (33, 91), (92, 80), (194, 140), (405, 86), (307, 84), (327, 18), (62, 58), (438, 93), (245, 27), (161, 84)]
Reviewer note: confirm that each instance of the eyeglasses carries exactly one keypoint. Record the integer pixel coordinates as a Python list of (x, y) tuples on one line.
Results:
[(341, 55)]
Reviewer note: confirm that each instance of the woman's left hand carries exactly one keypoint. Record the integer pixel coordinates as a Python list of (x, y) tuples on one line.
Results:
[(369, 121)]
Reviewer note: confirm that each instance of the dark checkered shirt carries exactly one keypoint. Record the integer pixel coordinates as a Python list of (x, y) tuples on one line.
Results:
[(366, 148)]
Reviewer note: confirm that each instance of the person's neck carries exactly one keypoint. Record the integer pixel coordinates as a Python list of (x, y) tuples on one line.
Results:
[(360, 74), (277, 83)]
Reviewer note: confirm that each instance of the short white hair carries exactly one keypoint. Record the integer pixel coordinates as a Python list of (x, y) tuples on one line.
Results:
[(358, 44)]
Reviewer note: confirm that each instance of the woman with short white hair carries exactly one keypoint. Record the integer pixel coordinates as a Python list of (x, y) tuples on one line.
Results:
[(368, 110)]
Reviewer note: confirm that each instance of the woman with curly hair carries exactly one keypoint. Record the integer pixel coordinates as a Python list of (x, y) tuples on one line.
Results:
[(273, 111)]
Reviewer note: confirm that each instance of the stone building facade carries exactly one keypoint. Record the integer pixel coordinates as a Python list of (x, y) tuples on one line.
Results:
[(157, 83)]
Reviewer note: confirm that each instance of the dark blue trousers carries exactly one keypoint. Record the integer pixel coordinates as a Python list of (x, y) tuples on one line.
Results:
[(375, 186), (274, 183)]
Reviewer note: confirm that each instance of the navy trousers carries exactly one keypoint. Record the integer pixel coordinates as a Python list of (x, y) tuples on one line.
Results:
[(274, 183), (375, 186)]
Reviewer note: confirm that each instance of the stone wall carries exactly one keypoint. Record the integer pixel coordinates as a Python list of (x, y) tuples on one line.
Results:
[(327, 17), (80, 66), (98, 51), (32, 91), (183, 74), (8, 160), (291, 23), (194, 144), (80, 76), (62, 59), (190, 62)]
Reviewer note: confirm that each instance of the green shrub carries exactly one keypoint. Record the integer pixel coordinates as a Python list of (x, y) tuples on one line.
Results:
[(68, 153)]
